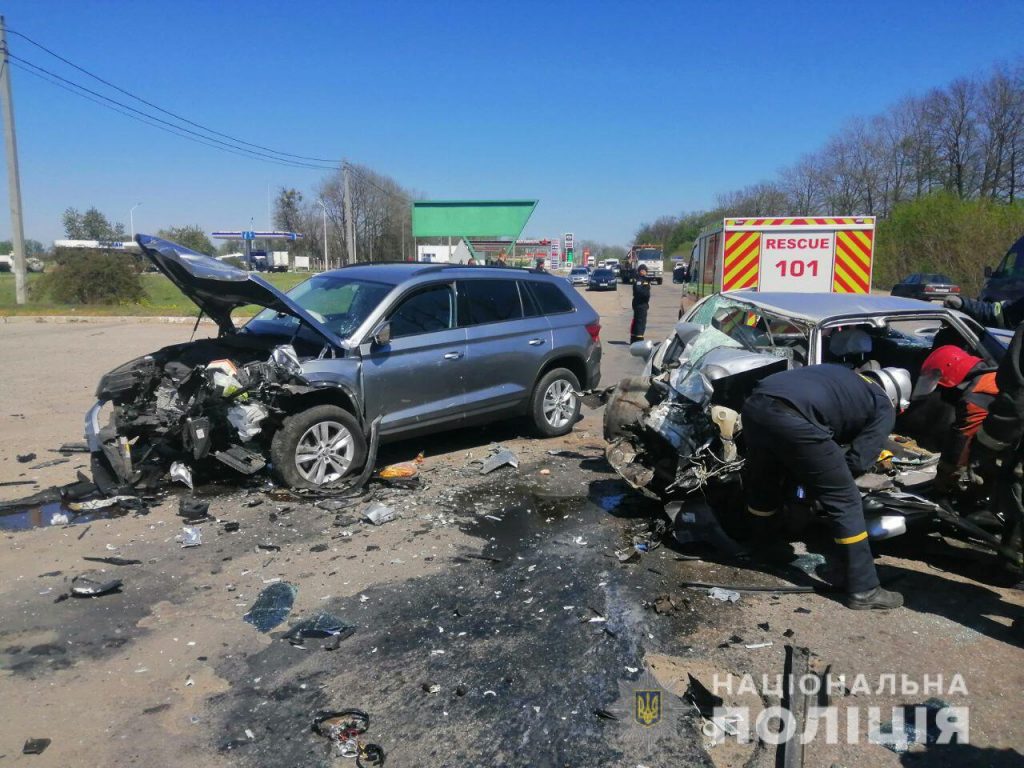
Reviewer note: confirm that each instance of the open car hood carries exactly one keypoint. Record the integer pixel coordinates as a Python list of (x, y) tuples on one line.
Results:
[(218, 288)]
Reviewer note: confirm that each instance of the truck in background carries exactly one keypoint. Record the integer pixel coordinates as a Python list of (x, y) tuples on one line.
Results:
[(648, 254), (823, 254)]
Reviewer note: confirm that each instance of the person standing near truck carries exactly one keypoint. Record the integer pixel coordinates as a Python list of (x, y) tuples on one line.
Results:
[(641, 301)]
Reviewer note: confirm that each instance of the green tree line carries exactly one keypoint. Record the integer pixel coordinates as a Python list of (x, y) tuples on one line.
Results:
[(942, 171)]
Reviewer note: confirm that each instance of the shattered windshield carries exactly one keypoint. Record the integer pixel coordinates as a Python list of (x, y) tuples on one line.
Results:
[(340, 303)]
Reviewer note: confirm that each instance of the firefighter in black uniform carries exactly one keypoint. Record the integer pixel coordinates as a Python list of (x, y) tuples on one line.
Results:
[(641, 301), (794, 424)]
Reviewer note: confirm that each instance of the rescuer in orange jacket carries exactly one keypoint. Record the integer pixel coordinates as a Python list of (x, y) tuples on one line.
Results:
[(971, 385)]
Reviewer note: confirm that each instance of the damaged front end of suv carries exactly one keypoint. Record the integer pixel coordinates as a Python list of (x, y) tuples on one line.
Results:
[(227, 401)]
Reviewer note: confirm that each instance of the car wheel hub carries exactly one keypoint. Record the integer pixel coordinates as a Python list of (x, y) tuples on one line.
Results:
[(559, 403), (324, 452)]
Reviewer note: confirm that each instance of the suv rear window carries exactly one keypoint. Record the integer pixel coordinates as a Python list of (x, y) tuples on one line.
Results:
[(550, 298), (488, 301)]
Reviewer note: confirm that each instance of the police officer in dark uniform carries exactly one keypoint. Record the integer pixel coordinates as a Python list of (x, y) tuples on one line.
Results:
[(641, 301), (794, 425)]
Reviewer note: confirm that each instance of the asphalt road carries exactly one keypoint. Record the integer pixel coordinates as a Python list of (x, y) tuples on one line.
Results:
[(494, 624)]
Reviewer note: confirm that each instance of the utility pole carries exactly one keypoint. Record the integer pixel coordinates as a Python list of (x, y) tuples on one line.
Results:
[(131, 218), (327, 261), (13, 177), (350, 234)]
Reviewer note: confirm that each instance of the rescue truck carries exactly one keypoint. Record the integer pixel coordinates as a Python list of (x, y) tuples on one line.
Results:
[(649, 255), (820, 254)]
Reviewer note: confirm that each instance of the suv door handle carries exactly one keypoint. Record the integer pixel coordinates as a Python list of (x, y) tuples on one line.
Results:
[(535, 342), (452, 355)]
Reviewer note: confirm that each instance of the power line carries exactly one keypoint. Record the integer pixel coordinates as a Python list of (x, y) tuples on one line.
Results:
[(276, 156), (249, 152), (149, 122), (161, 109)]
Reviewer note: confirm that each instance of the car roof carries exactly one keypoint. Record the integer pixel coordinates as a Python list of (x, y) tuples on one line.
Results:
[(398, 272), (818, 307)]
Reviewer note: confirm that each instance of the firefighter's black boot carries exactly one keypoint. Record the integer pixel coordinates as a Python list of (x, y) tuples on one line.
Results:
[(877, 598)]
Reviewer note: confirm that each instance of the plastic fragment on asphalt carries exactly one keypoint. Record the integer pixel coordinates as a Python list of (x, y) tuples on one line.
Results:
[(94, 584), (321, 626), (500, 458), (35, 746), (723, 595), (754, 646), (628, 555), (113, 560), (241, 459), (181, 473), (404, 470), (193, 509), (271, 607), (902, 733), (190, 536), (378, 513), (88, 506)]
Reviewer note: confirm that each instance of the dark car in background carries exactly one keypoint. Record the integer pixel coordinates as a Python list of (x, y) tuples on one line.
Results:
[(603, 280), (926, 286), (400, 349), (1006, 282)]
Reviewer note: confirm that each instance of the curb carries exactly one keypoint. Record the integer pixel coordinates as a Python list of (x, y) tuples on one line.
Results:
[(122, 319)]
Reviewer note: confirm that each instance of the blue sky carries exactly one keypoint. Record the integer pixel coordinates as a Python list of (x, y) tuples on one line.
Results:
[(608, 113)]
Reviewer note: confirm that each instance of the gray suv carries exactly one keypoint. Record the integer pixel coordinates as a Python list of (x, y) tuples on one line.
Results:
[(422, 348)]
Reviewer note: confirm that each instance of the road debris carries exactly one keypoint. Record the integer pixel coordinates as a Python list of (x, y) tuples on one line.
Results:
[(190, 536), (627, 555), (192, 509), (343, 729), (661, 605), (322, 626), (378, 513), (119, 561), (50, 463), (499, 458), (911, 728), (73, 448), (25, 458), (405, 470), (271, 607), (181, 473), (723, 595), (94, 584), (35, 746), (94, 504)]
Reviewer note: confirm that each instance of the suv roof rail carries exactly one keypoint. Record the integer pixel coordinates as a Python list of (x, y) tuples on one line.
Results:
[(424, 267)]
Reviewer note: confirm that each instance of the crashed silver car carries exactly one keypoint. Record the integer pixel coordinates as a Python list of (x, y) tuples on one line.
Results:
[(675, 431), (311, 382)]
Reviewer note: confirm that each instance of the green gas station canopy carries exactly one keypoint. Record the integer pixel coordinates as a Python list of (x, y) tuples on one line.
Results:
[(471, 218)]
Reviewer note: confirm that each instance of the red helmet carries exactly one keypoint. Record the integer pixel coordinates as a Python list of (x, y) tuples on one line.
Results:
[(951, 364)]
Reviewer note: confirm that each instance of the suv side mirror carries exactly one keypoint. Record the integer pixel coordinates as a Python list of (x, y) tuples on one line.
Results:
[(382, 335), (988, 271)]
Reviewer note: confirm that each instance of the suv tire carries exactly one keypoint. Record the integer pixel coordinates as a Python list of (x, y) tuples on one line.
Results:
[(554, 406), (332, 440), (632, 399)]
